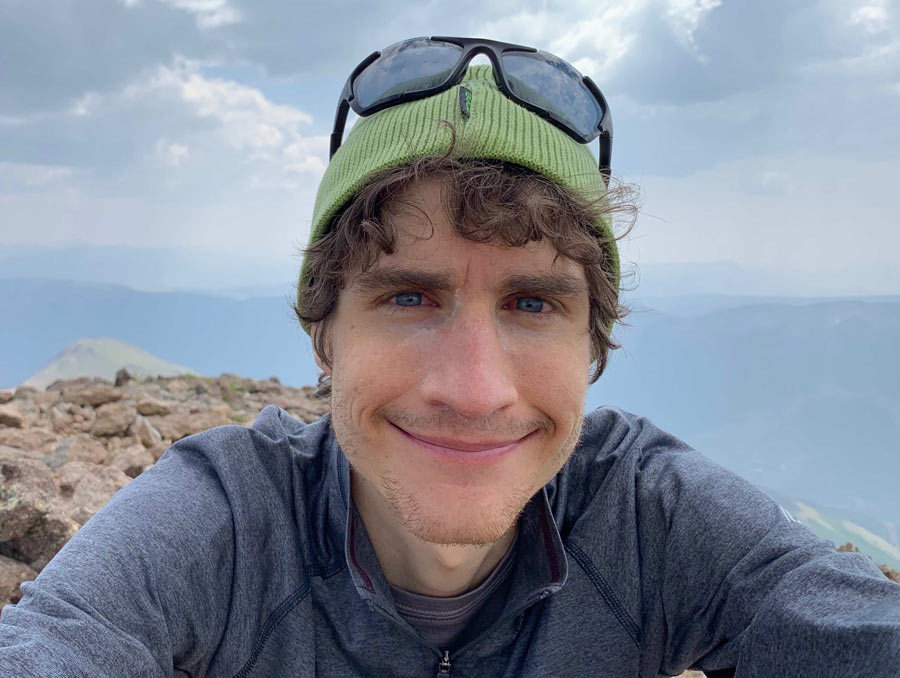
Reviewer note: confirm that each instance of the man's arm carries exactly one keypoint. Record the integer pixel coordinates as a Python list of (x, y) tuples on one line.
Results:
[(745, 586), (141, 590)]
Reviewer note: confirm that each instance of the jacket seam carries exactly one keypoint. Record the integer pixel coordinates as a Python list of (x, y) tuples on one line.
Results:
[(278, 615), (606, 592)]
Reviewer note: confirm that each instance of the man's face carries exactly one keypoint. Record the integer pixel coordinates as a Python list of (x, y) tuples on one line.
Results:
[(459, 373)]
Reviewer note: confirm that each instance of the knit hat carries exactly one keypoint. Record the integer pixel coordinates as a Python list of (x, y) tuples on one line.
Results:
[(488, 125)]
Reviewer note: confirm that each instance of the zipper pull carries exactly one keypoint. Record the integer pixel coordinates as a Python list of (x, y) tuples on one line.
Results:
[(444, 666)]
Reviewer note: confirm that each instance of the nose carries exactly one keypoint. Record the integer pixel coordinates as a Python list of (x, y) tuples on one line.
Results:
[(470, 370)]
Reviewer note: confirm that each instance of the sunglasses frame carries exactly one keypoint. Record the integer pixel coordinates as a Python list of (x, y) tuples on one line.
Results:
[(494, 51)]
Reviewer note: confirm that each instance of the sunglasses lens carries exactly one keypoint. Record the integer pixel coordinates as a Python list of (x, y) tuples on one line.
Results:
[(549, 82), (405, 67)]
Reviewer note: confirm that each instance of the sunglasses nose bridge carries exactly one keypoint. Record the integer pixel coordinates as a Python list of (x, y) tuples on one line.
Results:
[(490, 52)]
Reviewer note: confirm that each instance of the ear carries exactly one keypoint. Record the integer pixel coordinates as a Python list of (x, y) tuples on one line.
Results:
[(314, 330)]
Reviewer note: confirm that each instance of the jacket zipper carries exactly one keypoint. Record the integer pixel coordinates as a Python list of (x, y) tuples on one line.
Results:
[(444, 666)]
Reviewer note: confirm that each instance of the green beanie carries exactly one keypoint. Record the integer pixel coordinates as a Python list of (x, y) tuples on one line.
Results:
[(493, 127)]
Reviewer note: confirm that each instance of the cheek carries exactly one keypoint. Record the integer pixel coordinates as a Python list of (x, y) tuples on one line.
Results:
[(369, 373)]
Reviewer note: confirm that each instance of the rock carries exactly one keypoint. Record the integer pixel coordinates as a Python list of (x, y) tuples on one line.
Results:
[(25, 393), (83, 439), (87, 487), (95, 394), (157, 451), (76, 448), (123, 376), (177, 386), (151, 406), (33, 439), (12, 574), (60, 419), (890, 573), (132, 461), (11, 416), (46, 399), (176, 426), (42, 540), (16, 453), (143, 430), (26, 493), (113, 419)]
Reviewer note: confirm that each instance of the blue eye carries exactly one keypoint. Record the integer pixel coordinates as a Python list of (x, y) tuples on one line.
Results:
[(408, 299), (529, 304)]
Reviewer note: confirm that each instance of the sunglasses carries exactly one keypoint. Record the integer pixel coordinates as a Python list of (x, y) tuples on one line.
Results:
[(422, 67)]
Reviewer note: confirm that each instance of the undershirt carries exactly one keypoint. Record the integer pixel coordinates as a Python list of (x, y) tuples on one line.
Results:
[(440, 621)]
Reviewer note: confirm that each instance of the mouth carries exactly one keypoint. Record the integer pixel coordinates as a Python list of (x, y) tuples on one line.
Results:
[(459, 449)]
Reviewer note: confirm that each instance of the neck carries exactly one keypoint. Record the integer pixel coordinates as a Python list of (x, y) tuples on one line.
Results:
[(411, 564)]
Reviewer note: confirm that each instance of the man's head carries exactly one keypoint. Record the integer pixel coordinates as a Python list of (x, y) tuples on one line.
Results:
[(456, 300)]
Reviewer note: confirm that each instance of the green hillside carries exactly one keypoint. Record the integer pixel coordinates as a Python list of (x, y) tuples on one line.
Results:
[(102, 358)]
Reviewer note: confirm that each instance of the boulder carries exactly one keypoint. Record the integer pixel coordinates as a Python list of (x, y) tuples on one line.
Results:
[(25, 393), (37, 545), (86, 488), (132, 461), (15, 453), (33, 439), (148, 406), (113, 419), (12, 416), (143, 431), (176, 426), (5, 396), (26, 493), (123, 376), (81, 447), (157, 451), (890, 573), (94, 395), (177, 385), (12, 574), (61, 418)]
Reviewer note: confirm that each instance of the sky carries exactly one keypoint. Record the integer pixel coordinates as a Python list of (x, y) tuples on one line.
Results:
[(760, 132)]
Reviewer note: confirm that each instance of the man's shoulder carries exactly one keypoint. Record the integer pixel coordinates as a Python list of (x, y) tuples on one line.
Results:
[(276, 440), (615, 440), (265, 471), (624, 459)]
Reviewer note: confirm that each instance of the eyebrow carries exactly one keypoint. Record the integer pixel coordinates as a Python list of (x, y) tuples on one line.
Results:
[(538, 284)]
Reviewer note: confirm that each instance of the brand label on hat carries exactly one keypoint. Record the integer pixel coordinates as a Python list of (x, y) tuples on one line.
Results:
[(465, 101)]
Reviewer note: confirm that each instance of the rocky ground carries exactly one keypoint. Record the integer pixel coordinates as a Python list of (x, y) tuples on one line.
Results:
[(66, 450)]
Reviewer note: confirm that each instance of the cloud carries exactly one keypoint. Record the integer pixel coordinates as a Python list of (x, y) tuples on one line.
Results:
[(176, 156), (873, 17), (29, 177), (686, 16), (796, 211), (170, 153), (209, 13)]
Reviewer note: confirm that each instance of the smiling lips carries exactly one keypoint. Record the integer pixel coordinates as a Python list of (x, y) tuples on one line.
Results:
[(481, 450)]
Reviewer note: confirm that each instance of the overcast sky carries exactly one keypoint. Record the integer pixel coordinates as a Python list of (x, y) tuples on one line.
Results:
[(764, 132)]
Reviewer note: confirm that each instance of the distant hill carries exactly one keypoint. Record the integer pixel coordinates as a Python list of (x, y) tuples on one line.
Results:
[(257, 337), (102, 358)]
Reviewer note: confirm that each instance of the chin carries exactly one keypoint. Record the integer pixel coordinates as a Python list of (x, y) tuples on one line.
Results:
[(469, 521)]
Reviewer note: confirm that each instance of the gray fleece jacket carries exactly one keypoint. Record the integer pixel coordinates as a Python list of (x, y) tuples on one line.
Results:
[(238, 555)]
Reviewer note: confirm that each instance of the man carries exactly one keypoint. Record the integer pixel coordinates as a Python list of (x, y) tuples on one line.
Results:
[(456, 514)]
